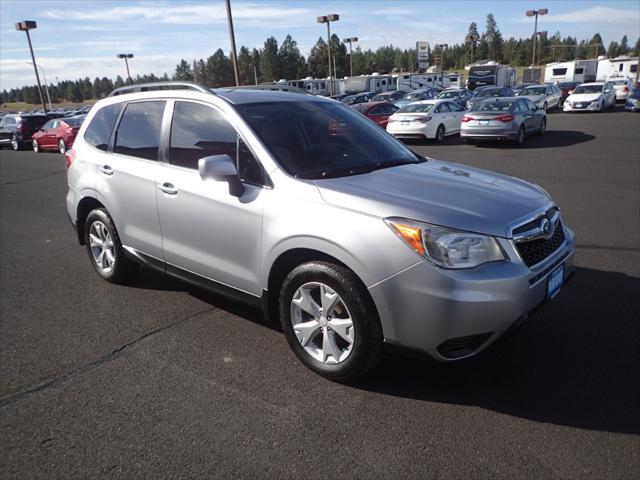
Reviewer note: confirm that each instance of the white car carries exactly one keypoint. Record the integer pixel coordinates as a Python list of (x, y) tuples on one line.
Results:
[(591, 97), (426, 119), (622, 86)]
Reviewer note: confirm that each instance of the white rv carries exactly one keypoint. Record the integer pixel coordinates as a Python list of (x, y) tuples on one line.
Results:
[(413, 81), (317, 86), (575, 71), (456, 80), (368, 83), (617, 67), (490, 73)]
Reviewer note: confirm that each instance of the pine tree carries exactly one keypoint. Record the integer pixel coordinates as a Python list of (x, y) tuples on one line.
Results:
[(269, 61), (183, 71)]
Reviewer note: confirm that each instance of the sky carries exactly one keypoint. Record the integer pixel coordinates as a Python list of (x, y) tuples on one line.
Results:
[(81, 38)]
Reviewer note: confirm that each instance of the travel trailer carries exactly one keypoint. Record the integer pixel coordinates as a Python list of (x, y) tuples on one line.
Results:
[(617, 67), (413, 81), (490, 73), (575, 71), (369, 83), (317, 86)]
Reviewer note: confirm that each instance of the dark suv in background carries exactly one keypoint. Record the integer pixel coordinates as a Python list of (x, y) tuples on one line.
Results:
[(16, 130)]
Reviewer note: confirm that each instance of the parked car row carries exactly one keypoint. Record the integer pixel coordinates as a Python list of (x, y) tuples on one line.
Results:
[(39, 131)]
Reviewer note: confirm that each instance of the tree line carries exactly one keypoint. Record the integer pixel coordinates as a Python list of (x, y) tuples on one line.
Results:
[(273, 62)]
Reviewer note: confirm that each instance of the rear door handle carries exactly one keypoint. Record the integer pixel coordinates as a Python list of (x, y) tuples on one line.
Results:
[(106, 169), (168, 188)]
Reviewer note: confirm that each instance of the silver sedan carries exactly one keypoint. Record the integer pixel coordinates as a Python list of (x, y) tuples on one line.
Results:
[(509, 118)]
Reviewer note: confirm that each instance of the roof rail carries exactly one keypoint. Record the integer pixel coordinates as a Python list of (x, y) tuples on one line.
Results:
[(147, 87)]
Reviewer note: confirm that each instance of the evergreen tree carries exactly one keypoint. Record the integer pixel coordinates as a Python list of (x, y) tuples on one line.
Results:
[(317, 61), (218, 70), (612, 51), (472, 42), (183, 71), (623, 49), (493, 37), (289, 58), (269, 61)]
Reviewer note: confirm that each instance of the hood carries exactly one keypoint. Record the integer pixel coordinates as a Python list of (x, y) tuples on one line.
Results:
[(583, 97), (441, 193)]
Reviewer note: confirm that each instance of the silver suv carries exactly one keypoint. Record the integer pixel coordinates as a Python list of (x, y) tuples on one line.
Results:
[(302, 206)]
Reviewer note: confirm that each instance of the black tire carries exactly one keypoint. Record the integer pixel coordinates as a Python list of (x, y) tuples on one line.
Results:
[(440, 133), (15, 144), (367, 345), (62, 148), (545, 106), (543, 126), (122, 267), (36, 147), (521, 136)]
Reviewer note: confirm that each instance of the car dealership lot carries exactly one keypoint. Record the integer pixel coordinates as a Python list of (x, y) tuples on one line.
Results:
[(161, 380)]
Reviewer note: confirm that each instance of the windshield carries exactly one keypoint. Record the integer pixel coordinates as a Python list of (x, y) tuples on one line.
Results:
[(416, 108), (316, 140), (494, 92), (381, 97), (349, 100), (619, 82), (588, 89), (449, 94), (414, 96), (567, 84), (534, 91), (494, 107), (74, 121)]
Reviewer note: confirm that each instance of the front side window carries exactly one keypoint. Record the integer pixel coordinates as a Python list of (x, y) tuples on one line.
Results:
[(138, 134), (48, 125), (99, 131)]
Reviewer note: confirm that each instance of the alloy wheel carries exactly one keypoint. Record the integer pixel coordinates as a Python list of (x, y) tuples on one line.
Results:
[(36, 147), (102, 247), (322, 323), (14, 142), (62, 147)]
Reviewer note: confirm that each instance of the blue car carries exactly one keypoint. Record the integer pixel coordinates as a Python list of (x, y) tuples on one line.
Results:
[(633, 101)]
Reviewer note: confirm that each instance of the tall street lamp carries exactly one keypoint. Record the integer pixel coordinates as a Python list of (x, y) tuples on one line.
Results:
[(471, 39), (328, 19), (539, 36), (535, 13), (442, 46), (25, 26), (126, 57), (234, 58), (350, 41)]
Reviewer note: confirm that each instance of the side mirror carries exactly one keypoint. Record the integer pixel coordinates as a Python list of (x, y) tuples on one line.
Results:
[(221, 168)]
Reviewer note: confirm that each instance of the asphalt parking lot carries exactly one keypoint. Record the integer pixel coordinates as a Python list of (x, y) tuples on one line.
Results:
[(159, 380)]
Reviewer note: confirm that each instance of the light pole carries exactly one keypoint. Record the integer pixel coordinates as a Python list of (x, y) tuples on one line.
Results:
[(535, 13), (25, 26), (442, 46), (126, 57), (234, 58), (328, 19), (46, 86), (350, 41), (472, 39), (540, 34)]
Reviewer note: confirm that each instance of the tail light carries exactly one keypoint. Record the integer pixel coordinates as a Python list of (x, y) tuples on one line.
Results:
[(69, 157), (423, 119), (625, 89), (466, 118), (505, 118)]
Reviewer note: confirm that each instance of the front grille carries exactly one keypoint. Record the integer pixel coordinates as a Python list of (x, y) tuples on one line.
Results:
[(535, 251), (535, 222)]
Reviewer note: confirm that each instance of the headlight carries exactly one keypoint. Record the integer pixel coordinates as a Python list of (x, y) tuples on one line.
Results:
[(446, 247)]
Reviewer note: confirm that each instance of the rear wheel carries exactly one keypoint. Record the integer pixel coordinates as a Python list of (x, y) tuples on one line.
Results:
[(62, 148), (440, 133), (15, 145), (520, 137), (329, 321), (104, 248), (36, 147)]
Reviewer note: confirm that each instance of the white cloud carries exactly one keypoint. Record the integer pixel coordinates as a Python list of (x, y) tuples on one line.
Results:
[(192, 14), (593, 15)]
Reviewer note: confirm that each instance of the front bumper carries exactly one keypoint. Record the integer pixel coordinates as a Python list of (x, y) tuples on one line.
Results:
[(585, 107), (426, 308), (632, 107)]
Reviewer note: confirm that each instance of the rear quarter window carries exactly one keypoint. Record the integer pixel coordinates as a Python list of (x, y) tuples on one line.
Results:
[(98, 132)]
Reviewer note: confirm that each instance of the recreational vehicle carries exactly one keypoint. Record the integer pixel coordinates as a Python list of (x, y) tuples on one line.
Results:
[(368, 83), (413, 81), (617, 67), (490, 73), (575, 71)]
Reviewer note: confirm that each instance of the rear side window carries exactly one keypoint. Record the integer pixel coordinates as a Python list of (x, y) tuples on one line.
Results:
[(34, 122), (138, 134), (199, 131), (99, 131)]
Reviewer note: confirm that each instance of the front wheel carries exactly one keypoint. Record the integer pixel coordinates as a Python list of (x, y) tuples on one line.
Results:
[(329, 321), (62, 148), (104, 248), (520, 137), (543, 126), (440, 133), (545, 106)]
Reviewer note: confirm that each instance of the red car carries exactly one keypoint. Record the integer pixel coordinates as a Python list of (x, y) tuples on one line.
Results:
[(57, 134), (379, 112)]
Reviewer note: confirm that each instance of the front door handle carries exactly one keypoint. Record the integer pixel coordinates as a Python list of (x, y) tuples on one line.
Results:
[(106, 169), (168, 188)]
